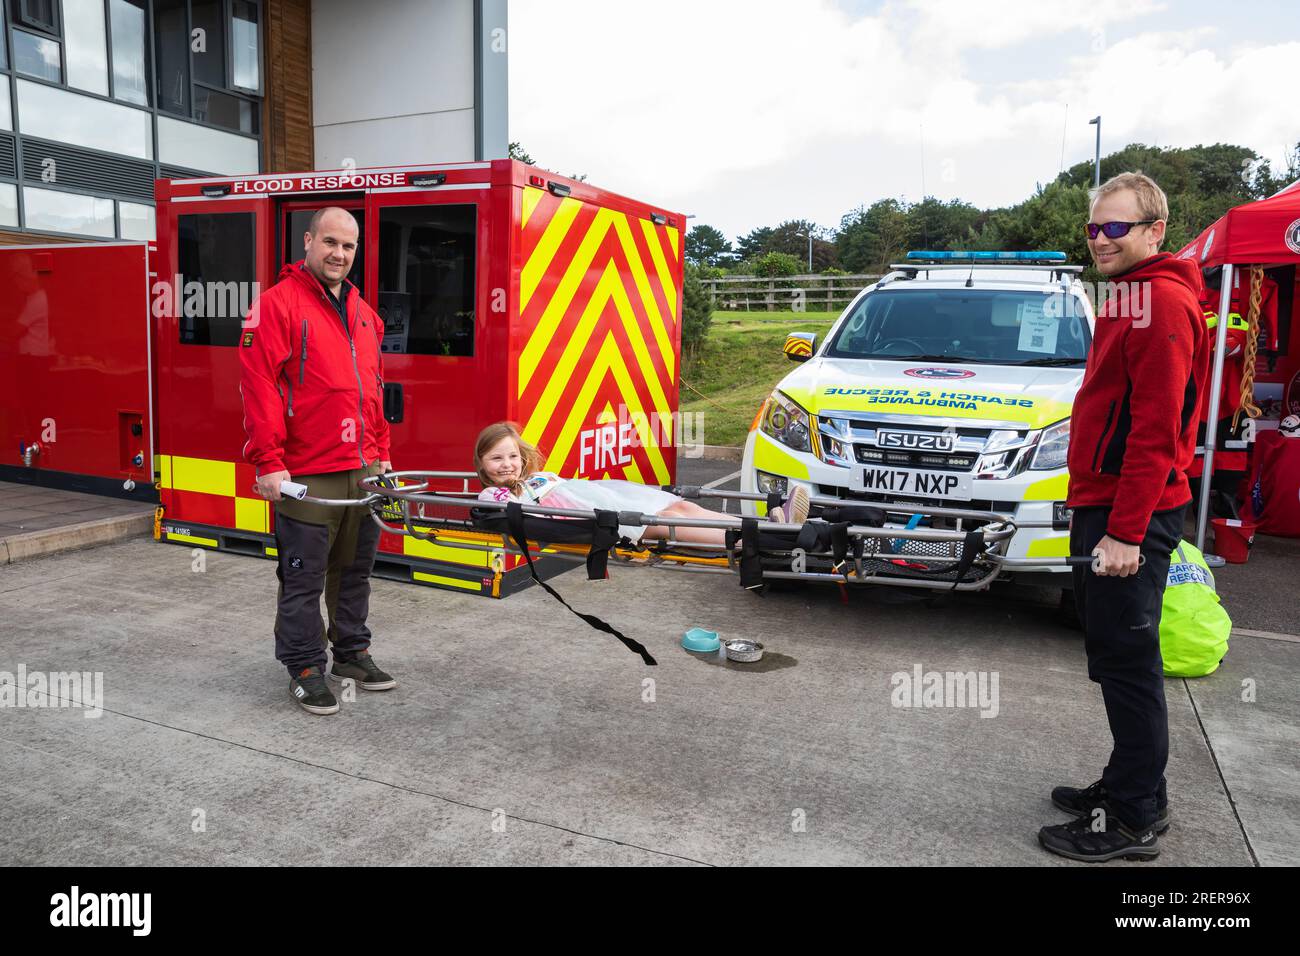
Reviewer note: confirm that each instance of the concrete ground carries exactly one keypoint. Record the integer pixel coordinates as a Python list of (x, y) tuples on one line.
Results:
[(519, 735)]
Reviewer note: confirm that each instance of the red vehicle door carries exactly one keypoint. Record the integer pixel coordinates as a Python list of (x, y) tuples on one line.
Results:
[(216, 256)]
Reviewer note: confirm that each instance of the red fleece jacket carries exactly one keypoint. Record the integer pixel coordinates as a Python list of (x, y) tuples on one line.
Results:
[(312, 386), (1133, 433)]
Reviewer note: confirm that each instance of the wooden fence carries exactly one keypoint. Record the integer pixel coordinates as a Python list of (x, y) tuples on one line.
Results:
[(805, 293)]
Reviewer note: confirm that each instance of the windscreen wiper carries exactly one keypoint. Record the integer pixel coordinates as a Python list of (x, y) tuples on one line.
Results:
[(961, 359), (1054, 361)]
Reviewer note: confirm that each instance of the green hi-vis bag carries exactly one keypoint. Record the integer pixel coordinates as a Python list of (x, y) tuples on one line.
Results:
[(1194, 627)]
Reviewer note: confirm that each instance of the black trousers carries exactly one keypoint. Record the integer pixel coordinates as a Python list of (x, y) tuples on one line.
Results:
[(1121, 623), (323, 550)]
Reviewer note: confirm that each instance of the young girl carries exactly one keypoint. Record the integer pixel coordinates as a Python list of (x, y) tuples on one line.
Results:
[(509, 469)]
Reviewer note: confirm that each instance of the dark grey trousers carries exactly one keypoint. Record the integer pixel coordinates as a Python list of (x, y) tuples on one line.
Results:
[(329, 551)]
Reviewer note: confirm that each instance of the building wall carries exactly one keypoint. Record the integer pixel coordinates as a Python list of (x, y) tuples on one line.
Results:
[(287, 134), (395, 82)]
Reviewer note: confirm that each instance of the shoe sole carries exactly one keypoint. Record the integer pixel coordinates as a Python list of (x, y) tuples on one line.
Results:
[(316, 709), (798, 505), (1141, 856), (373, 685), (1161, 824)]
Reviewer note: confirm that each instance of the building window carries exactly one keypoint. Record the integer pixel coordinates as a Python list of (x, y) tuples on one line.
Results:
[(38, 14), (8, 205), (172, 38), (244, 58), (222, 109), (130, 66), (68, 117), (68, 212), (86, 43), (136, 220), (208, 42), (426, 279), (37, 56), (215, 250)]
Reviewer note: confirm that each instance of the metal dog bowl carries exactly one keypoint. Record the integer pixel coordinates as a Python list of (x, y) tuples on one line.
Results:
[(743, 651)]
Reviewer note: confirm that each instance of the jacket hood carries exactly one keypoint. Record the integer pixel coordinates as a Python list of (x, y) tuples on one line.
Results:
[(1164, 266)]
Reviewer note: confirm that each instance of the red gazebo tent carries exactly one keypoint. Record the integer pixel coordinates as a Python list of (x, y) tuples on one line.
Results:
[(1263, 233)]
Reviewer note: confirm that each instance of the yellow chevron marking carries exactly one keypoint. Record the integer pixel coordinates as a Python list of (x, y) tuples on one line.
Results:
[(530, 199), (540, 260), (164, 469), (661, 265), (632, 472), (647, 296), (674, 238), (608, 360), (203, 475), (540, 338), (609, 288), (607, 416)]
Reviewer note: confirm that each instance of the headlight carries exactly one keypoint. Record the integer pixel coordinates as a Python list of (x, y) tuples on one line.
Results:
[(787, 423), (1052, 446)]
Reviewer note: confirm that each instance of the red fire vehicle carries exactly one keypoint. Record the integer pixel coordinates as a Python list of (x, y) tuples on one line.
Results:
[(507, 292)]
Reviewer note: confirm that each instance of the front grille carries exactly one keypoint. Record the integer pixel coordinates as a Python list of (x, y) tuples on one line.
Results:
[(901, 458)]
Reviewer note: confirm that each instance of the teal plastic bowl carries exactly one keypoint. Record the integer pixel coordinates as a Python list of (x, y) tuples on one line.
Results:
[(698, 639)]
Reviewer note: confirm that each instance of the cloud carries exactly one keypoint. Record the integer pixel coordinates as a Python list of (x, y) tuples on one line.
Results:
[(749, 113)]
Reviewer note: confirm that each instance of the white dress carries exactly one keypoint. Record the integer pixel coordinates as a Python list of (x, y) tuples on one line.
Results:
[(610, 494)]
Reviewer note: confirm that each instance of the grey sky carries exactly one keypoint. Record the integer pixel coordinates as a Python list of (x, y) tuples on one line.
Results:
[(746, 114)]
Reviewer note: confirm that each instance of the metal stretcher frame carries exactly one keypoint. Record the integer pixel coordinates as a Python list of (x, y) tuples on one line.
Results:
[(402, 510)]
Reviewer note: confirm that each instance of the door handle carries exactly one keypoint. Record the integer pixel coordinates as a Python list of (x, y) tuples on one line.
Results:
[(393, 402)]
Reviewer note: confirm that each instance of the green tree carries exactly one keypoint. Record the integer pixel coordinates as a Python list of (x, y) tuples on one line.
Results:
[(753, 245), (791, 237), (872, 237), (772, 265), (707, 246), (697, 311)]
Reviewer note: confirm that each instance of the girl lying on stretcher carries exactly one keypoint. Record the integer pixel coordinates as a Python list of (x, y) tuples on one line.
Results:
[(509, 469)]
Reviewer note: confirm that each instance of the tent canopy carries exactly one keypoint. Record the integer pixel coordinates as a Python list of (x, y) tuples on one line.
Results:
[(1265, 232)]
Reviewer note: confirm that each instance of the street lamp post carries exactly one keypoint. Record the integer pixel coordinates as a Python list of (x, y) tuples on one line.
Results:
[(1096, 165)]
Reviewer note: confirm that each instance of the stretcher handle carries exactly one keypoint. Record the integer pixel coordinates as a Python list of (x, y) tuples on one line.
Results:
[(1083, 561)]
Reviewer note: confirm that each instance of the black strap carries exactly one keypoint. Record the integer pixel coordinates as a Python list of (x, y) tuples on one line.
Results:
[(604, 537), (515, 521), (751, 562), (774, 501), (840, 545), (972, 547)]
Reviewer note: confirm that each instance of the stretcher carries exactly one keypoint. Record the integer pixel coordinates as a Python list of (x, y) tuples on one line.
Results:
[(842, 542)]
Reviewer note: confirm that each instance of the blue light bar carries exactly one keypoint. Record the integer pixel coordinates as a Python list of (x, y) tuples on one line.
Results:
[(985, 256)]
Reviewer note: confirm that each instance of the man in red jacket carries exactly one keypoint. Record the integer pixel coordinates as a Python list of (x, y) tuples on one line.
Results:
[(312, 384), (1133, 436)]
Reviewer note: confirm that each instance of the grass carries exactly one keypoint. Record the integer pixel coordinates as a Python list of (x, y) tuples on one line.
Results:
[(738, 366)]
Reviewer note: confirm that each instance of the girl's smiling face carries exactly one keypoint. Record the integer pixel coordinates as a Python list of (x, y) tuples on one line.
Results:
[(502, 463)]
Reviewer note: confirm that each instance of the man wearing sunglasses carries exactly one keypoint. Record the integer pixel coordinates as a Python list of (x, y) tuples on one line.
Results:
[(1133, 436)]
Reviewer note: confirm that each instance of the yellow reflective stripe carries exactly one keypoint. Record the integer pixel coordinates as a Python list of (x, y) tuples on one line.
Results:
[(204, 476), (624, 233), (768, 457), (1049, 548), (252, 514), (273, 552), (450, 582), (1048, 489), (539, 339), (540, 260), (661, 265), (532, 195), (192, 539), (427, 549), (675, 239), (609, 360), (164, 468)]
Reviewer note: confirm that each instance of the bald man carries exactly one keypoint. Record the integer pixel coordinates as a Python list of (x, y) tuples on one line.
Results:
[(312, 386)]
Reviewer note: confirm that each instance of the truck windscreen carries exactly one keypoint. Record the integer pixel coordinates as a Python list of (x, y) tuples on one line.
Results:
[(985, 326)]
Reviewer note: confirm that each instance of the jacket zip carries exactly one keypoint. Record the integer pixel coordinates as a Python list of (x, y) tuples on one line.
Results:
[(289, 382), (1110, 414), (302, 361), (361, 391)]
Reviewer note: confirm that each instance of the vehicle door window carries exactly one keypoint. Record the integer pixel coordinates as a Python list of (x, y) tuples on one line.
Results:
[(427, 272), (215, 257)]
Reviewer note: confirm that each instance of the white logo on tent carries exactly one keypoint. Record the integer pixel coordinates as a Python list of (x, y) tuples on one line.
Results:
[(1292, 237)]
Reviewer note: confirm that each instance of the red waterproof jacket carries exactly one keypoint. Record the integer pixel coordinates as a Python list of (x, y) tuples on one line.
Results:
[(1133, 430), (312, 387)]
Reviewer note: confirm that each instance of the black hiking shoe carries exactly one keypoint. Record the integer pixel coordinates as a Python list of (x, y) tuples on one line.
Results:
[(1077, 840), (364, 671), (1082, 802), (311, 693)]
